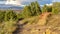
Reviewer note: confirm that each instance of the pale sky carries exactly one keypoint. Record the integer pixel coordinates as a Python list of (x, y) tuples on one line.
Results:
[(28, 1)]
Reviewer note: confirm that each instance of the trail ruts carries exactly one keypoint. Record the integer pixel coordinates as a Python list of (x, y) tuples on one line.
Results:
[(19, 27)]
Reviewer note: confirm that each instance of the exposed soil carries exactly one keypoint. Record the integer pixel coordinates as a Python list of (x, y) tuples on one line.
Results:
[(38, 28)]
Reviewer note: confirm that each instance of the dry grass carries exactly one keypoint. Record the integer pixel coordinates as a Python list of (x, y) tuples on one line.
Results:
[(43, 18), (48, 25), (7, 27)]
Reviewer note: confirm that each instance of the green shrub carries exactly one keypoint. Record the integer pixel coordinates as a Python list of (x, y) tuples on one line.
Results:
[(7, 21), (32, 9), (2, 15), (7, 27)]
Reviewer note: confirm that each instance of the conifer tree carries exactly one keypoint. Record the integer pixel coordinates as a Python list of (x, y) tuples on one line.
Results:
[(44, 9), (56, 8), (37, 8), (31, 9)]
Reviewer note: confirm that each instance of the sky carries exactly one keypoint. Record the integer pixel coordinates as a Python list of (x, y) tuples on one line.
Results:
[(24, 2)]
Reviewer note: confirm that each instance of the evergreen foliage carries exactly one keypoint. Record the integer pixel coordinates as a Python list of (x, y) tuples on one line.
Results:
[(32, 9), (56, 8), (46, 9)]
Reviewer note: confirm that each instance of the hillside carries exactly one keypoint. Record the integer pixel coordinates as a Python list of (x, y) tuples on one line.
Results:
[(31, 20), (46, 24)]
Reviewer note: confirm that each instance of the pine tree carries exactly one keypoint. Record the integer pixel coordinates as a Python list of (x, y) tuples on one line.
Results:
[(56, 8), (44, 9), (37, 8), (31, 10), (26, 11)]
